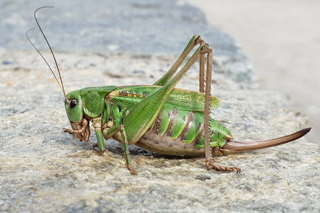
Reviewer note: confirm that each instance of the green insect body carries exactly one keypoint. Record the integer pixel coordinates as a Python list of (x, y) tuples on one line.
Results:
[(177, 130), (159, 117)]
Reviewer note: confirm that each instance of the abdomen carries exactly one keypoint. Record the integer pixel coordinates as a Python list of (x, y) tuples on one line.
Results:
[(179, 132)]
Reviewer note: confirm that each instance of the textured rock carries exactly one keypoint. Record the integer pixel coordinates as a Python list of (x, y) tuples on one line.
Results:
[(44, 169), (138, 27)]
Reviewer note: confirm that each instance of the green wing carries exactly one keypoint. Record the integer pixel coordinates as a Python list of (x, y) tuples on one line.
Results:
[(179, 98)]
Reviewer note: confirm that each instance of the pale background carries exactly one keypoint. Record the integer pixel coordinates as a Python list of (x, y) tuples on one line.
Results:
[(282, 40)]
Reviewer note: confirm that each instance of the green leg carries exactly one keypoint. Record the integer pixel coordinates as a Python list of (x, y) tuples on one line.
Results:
[(195, 40), (126, 151), (142, 116), (96, 123), (108, 132), (100, 140)]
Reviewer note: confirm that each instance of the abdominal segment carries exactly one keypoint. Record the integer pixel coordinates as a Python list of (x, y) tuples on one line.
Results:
[(180, 132)]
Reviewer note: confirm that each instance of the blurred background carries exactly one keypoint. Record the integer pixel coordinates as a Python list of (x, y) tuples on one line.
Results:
[(282, 40)]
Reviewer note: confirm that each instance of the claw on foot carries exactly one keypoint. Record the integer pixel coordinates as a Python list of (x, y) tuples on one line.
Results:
[(100, 152), (210, 165), (132, 171)]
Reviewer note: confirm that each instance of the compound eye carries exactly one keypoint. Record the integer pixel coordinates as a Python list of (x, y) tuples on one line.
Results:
[(73, 103)]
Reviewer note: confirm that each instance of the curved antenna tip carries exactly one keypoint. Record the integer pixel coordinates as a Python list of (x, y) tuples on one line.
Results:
[(54, 58)]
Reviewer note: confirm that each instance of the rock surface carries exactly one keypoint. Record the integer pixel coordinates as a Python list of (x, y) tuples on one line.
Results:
[(138, 27), (43, 169)]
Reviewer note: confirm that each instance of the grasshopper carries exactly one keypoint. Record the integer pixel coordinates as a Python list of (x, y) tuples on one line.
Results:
[(159, 117)]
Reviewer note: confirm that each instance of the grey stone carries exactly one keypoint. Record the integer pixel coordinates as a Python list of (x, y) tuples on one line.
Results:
[(45, 169), (136, 27)]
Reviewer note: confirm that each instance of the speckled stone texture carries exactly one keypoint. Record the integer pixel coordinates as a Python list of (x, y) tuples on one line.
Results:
[(43, 169), (138, 27)]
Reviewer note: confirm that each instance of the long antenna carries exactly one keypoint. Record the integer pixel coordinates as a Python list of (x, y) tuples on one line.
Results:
[(54, 58)]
